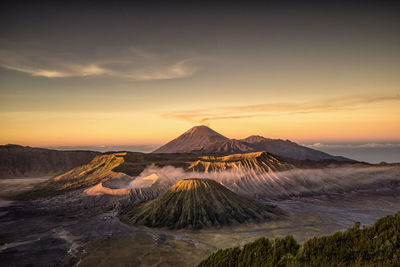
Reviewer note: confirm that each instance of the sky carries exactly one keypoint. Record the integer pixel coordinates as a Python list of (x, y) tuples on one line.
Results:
[(92, 73)]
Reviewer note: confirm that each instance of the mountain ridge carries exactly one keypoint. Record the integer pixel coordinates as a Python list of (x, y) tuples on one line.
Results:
[(18, 161), (201, 139), (257, 161)]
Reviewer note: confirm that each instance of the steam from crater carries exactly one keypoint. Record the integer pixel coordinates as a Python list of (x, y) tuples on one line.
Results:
[(169, 175), (298, 182)]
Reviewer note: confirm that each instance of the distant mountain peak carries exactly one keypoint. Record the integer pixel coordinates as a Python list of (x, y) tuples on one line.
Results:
[(195, 139), (254, 139), (202, 139), (203, 130), (199, 128)]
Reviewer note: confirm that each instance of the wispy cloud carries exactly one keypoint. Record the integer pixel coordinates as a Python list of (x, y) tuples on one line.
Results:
[(351, 146), (346, 103), (130, 63)]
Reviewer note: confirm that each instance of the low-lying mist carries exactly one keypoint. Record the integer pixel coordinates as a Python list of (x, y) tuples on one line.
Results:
[(297, 182), (170, 175)]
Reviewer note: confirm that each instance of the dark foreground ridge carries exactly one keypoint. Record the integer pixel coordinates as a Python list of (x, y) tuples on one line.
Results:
[(197, 203), (377, 245)]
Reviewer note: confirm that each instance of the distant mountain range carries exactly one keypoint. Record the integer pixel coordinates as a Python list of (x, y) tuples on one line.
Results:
[(25, 161), (203, 140)]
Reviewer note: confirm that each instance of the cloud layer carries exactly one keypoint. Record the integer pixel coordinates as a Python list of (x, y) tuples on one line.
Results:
[(131, 63), (347, 103), (349, 146)]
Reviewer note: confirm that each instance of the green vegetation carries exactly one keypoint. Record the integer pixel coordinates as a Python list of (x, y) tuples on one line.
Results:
[(377, 245), (194, 204)]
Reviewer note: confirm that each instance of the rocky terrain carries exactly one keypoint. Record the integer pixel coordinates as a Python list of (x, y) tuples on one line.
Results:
[(74, 217), (72, 228)]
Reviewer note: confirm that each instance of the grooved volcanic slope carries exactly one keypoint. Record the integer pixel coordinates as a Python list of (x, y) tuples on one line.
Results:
[(197, 203), (249, 162)]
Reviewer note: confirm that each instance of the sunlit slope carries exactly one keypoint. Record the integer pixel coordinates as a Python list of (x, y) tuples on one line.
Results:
[(256, 162), (100, 169), (197, 203), (245, 173), (100, 189), (134, 163)]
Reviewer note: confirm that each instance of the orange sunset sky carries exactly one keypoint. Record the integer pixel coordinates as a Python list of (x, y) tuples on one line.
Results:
[(144, 75)]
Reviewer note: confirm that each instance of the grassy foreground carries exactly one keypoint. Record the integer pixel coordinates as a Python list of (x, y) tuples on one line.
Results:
[(377, 245)]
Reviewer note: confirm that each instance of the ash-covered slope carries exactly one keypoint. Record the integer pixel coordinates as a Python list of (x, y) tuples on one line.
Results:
[(25, 161), (203, 140), (197, 203)]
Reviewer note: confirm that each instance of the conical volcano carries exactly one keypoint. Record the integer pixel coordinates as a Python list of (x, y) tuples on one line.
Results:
[(197, 203), (196, 139)]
